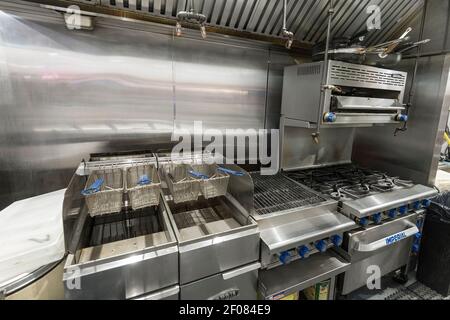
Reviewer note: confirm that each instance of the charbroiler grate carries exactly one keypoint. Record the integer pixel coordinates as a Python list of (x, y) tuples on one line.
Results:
[(277, 193)]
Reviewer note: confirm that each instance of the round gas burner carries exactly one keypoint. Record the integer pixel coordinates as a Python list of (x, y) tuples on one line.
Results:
[(383, 184), (339, 196), (402, 183)]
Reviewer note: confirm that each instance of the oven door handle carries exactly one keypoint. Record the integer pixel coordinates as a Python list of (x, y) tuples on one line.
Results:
[(237, 272), (387, 241)]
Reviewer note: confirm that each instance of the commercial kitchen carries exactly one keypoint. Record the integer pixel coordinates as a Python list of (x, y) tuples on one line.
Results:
[(315, 175)]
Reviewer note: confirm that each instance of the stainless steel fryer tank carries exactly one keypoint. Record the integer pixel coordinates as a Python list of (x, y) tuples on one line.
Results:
[(214, 235), (123, 255), (218, 241)]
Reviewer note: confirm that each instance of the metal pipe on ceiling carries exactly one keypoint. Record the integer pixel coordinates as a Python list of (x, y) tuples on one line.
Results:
[(324, 86)]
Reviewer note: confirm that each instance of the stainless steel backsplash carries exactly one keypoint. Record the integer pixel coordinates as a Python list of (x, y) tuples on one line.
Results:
[(67, 93)]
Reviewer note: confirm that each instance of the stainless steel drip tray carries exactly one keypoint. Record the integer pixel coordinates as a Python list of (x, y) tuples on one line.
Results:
[(300, 274), (388, 200), (310, 225)]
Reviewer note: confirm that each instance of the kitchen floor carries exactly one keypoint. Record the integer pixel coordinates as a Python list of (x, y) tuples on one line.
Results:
[(391, 290), (442, 181)]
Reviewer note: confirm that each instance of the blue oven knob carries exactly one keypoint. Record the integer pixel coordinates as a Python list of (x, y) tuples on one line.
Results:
[(303, 251), (417, 236), (321, 245), (363, 222), (403, 209), (285, 257), (426, 203), (417, 205), (376, 217), (336, 240), (329, 117), (419, 223), (392, 213)]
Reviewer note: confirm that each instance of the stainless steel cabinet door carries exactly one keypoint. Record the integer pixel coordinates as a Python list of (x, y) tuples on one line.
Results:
[(236, 284), (201, 259)]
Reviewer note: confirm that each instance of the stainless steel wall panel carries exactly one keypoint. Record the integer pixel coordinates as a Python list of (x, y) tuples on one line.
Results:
[(275, 81), (68, 93), (223, 86), (412, 154), (300, 151), (436, 26)]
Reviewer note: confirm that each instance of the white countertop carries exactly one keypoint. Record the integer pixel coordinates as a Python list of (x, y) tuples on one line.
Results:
[(31, 235)]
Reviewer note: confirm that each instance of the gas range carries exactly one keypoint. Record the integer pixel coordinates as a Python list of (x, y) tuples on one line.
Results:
[(367, 195)]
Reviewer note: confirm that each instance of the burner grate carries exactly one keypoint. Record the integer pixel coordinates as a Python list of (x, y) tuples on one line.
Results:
[(344, 181), (278, 193)]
